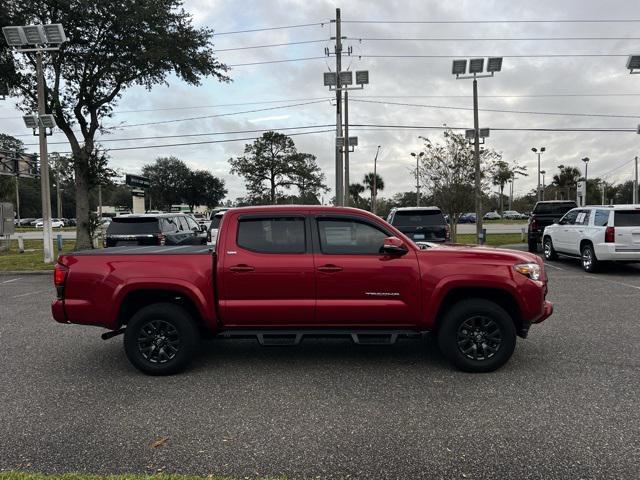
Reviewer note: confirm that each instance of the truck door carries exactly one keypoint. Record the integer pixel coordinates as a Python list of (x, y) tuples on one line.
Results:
[(268, 277), (356, 284)]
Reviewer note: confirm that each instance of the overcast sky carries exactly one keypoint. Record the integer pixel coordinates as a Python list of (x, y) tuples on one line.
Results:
[(587, 85)]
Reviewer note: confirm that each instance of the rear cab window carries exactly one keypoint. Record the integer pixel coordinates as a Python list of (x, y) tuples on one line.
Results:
[(133, 226), (272, 234), (555, 208), (627, 218), (417, 218)]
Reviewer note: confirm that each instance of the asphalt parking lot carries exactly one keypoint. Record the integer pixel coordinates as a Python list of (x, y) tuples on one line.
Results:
[(566, 405)]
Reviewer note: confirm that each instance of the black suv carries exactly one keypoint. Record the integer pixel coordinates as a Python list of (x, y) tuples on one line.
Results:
[(152, 229), (543, 215), (421, 224)]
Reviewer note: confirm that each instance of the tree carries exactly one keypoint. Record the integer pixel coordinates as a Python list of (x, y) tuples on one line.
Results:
[(112, 45), (502, 173), (355, 190), (448, 169), (202, 188), (272, 162), (368, 181), (7, 183), (307, 176), (169, 178), (566, 179)]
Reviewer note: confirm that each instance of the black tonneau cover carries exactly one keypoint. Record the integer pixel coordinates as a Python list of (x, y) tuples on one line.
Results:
[(149, 250)]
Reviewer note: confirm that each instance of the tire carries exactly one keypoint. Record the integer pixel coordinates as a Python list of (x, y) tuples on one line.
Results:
[(459, 344), (588, 259), (533, 246), (549, 252), (172, 327)]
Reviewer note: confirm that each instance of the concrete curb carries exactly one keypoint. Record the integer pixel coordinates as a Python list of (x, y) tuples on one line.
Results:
[(4, 273)]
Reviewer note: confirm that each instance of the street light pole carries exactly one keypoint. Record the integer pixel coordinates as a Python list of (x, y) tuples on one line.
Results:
[(539, 153), (543, 185), (476, 154), (44, 167), (586, 184)]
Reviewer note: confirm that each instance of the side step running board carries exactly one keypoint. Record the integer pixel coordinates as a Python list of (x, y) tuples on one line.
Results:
[(275, 337)]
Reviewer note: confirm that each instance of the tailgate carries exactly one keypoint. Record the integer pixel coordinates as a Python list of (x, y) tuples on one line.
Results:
[(627, 227), (431, 233)]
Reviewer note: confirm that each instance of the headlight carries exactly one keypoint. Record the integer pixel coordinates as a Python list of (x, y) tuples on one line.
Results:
[(531, 270)]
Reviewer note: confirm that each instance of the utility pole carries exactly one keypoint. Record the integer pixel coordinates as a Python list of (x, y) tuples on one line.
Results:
[(339, 165), (510, 193), (476, 153), (604, 188), (18, 195), (418, 180), (346, 148), (58, 197), (635, 184), (44, 167), (100, 201)]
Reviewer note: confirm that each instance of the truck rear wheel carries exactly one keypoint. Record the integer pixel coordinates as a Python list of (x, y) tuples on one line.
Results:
[(477, 335), (161, 339)]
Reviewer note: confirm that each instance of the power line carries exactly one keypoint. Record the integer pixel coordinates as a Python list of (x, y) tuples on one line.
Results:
[(493, 110), (483, 39), (304, 59), (266, 29), (143, 147), (177, 120), (617, 168), (155, 137), (498, 129), (452, 22), (323, 40)]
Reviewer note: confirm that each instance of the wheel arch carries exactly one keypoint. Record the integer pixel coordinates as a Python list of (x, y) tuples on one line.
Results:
[(498, 296), (138, 299)]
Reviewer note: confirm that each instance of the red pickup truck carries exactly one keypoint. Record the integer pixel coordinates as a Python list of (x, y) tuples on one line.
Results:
[(280, 274)]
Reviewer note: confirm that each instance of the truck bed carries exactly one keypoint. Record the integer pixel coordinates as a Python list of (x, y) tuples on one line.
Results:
[(148, 250)]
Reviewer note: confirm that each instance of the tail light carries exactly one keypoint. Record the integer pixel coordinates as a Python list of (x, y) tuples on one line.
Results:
[(161, 239), (208, 236), (60, 278), (533, 224), (447, 233), (609, 235)]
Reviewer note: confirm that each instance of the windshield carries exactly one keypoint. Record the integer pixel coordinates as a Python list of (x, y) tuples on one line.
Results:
[(419, 218), (133, 226), (554, 208)]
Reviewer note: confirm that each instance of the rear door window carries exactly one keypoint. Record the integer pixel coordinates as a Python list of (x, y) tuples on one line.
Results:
[(182, 224), (272, 235), (627, 218), (601, 218), (133, 226), (419, 218), (583, 217)]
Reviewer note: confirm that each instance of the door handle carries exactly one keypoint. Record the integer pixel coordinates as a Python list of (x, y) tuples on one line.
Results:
[(242, 268), (329, 268)]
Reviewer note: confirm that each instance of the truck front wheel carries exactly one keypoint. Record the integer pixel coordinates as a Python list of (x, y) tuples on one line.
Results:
[(477, 335), (161, 339)]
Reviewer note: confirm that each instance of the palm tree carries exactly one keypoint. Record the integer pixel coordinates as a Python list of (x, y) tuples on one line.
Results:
[(355, 189), (502, 173), (567, 178), (374, 183)]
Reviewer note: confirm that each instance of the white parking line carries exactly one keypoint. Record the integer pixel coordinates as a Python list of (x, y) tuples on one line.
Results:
[(617, 283), (30, 293), (553, 266), (10, 281)]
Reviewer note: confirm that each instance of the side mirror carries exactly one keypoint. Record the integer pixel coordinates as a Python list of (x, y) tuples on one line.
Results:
[(393, 246), (203, 228), (556, 220)]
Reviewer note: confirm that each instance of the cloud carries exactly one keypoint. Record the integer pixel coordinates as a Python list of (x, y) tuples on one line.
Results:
[(537, 83)]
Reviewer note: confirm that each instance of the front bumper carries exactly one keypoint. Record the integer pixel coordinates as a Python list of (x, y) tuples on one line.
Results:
[(547, 311)]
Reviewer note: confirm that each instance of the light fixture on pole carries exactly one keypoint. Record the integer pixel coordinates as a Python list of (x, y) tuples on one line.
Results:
[(39, 39), (539, 153), (633, 64), (417, 157), (476, 67), (339, 82)]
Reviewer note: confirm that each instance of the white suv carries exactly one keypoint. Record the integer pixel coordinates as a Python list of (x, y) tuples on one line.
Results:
[(595, 234)]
